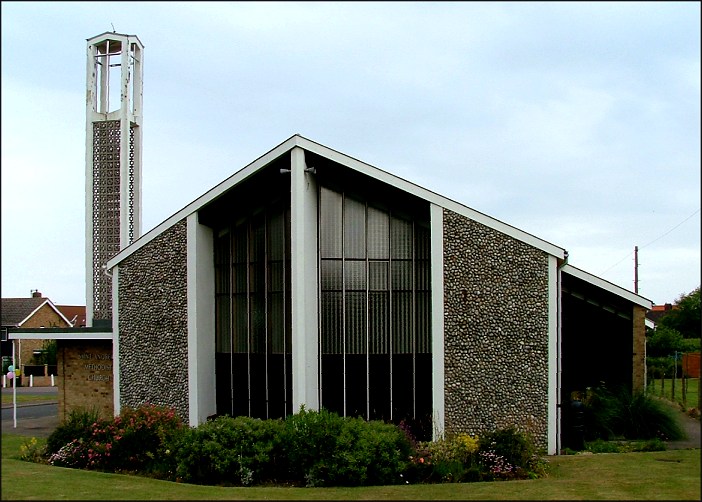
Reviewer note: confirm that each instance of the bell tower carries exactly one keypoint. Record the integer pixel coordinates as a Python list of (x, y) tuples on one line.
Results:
[(112, 161)]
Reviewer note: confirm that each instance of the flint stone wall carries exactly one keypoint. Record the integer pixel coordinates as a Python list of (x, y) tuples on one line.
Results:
[(496, 331), (153, 323)]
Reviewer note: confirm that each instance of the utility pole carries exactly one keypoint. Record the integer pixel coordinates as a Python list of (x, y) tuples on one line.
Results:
[(636, 269)]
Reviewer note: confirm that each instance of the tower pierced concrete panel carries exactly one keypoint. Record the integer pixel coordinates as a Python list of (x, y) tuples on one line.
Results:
[(113, 160)]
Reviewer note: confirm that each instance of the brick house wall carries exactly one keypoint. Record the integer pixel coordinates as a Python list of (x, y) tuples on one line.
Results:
[(45, 317), (496, 331), (153, 323), (639, 348)]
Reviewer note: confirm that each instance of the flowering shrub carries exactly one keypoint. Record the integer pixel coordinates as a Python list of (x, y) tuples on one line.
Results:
[(73, 454), (31, 451), (448, 459), (497, 465), (311, 448), (509, 454), (134, 441), (77, 426)]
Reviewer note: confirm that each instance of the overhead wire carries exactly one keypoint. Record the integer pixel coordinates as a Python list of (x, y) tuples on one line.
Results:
[(651, 242)]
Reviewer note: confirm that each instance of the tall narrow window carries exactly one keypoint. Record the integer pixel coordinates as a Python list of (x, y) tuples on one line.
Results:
[(253, 330), (375, 336)]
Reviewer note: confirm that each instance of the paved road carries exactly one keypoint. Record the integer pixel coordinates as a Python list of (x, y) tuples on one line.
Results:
[(37, 420)]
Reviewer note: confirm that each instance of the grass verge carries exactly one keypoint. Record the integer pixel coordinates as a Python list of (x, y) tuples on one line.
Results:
[(664, 389), (29, 398), (669, 475)]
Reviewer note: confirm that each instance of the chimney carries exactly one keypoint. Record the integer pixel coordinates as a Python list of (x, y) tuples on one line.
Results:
[(36, 293)]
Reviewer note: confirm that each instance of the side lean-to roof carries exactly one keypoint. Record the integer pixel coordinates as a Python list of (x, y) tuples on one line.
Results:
[(349, 162), (608, 286)]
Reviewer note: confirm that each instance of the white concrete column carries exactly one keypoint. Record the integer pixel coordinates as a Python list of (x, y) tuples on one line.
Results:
[(554, 356), (202, 391), (437, 319), (304, 277), (115, 342)]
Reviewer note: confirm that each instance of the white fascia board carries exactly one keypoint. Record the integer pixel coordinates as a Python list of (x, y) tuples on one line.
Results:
[(351, 163), (38, 335), (40, 306), (203, 200), (111, 35), (608, 286), (430, 196)]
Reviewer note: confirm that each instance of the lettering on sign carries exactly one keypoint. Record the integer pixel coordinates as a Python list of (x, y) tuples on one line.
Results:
[(101, 365)]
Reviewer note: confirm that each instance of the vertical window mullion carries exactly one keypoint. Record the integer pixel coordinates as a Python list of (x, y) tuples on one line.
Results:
[(413, 323), (343, 294), (266, 284), (390, 309), (230, 276), (249, 239), (367, 319)]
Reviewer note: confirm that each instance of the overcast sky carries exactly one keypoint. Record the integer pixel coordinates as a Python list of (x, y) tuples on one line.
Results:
[(576, 122)]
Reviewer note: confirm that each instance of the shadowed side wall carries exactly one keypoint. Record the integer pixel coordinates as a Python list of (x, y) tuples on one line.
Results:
[(496, 331), (153, 323)]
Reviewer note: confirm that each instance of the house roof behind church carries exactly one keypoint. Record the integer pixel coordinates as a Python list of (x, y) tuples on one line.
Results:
[(16, 310)]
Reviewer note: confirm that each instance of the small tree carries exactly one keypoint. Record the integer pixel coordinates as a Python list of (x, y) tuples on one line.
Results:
[(685, 317), (664, 341)]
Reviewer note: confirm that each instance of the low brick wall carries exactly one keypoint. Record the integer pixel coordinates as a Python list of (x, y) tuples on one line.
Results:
[(85, 381)]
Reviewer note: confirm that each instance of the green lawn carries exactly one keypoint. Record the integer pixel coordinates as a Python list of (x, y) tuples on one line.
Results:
[(669, 475), (28, 398), (691, 394)]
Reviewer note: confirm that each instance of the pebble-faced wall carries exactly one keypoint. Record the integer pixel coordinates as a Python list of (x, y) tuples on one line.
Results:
[(496, 331), (153, 323)]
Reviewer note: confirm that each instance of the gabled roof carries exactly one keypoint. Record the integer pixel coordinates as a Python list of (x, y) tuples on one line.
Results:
[(349, 162), (16, 311)]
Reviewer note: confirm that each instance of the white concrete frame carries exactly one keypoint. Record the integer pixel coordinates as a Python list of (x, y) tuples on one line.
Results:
[(201, 322), (437, 319), (129, 114), (554, 356), (115, 341), (304, 291)]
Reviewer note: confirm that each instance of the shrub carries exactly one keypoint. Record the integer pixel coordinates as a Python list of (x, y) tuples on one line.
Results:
[(308, 448), (628, 415), (365, 453), (509, 454), (644, 417), (33, 451), (134, 441), (449, 459), (77, 426), (310, 438), (226, 450), (324, 449), (602, 446), (139, 438)]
